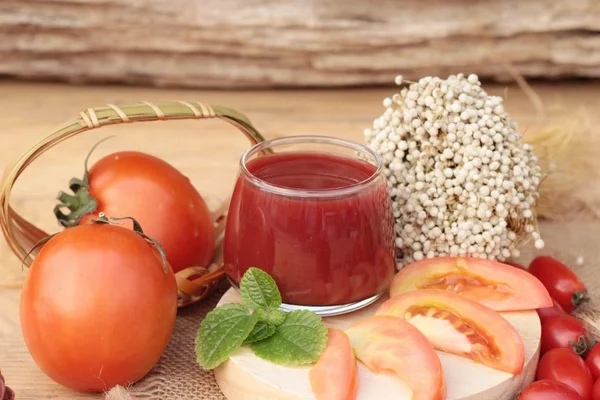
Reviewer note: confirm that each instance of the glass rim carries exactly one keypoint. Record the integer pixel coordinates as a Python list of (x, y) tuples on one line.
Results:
[(294, 192)]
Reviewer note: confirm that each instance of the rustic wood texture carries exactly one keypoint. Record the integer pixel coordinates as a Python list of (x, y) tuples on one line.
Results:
[(207, 151), (266, 43), (245, 376)]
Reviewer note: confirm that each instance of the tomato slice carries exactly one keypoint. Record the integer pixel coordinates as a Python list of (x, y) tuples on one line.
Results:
[(458, 325), (333, 377), (388, 344), (498, 286)]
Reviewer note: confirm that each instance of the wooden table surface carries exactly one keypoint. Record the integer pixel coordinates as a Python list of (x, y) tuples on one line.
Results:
[(206, 151)]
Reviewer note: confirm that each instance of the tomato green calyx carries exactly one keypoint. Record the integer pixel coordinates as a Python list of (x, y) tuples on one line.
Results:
[(583, 345), (580, 297), (137, 228), (81, 202)]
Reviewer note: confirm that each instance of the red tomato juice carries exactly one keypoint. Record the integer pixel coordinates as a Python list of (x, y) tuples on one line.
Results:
[(320, 224)]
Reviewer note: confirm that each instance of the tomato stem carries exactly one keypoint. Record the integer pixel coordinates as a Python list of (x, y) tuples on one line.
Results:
[(81, 202), (580, 297), (137, 228), (79, 205), (583, 345)]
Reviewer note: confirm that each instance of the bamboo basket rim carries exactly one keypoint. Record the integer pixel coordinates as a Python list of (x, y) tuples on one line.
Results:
[(195, 282)]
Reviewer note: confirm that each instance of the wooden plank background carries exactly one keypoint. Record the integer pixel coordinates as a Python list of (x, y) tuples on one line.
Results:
[(295, 43)]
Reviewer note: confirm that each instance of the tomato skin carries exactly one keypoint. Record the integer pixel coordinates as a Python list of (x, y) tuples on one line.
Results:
[(592, 359), (562, 283), (563, 365), (162, 199), (596, 390), (548, 390), (440, 329), (498, 286), (97, 308), (514, 264), (559, 331), (334, 376), (548, 313), (387, 344)]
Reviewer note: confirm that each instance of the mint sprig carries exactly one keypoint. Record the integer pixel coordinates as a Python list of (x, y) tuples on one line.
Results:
[(273, 316), (258, 289), (294, 338), (261, 331), (223, 330), (299, 340)]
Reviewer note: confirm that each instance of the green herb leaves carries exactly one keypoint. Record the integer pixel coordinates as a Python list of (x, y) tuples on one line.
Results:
[(223, 330), (292, 338), (299, 340), (258, 289), (261, 331)]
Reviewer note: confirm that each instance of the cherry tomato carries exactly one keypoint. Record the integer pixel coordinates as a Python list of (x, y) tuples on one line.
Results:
[(98, 307), (161, 198), (596, 390), (592, 359), (334, 377), (562, 283), (565, 331), (563, 365), (548, 313), (458, 325), (548, 390), (493, 284), (388, 344)]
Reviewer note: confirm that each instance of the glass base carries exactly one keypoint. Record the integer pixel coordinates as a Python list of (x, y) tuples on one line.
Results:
[(325, 311)]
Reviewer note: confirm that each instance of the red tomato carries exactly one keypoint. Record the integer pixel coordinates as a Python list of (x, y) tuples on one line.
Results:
[(565, 331), (563, 365), (458, 325), (389, 344), (548, 390), (162, 199), (592, 359), (562, 283), (548, 313), (97, 307), (596, 390), (496, 285), (333, 377)]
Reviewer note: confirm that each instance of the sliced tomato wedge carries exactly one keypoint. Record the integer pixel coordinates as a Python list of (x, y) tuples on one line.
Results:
[(499, 286), (333, 377), (388, 344), (458, 325)]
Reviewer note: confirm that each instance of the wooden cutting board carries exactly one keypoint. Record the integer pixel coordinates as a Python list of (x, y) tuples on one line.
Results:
[(246, 377)]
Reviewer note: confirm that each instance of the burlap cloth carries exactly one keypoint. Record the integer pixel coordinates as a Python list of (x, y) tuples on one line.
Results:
[(179, 377)]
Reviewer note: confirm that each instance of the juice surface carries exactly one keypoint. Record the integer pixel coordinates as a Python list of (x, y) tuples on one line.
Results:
[(319, 250)]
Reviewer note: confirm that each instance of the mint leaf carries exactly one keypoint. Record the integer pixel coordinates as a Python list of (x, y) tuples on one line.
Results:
[(300, 339), (276, 317), (262, 330), (222, 331), (258, 289), (272, 316)]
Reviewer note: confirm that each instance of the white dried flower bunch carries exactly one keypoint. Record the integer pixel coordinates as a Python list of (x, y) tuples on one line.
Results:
[(461, 180)]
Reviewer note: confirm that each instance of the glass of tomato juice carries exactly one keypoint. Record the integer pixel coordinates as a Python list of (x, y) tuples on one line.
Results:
[(314, 212)]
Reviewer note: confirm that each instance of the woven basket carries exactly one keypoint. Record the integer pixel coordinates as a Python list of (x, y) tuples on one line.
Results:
[(195, 282)]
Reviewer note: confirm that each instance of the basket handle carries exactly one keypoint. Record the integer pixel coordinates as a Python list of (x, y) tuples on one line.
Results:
[(20, 234)]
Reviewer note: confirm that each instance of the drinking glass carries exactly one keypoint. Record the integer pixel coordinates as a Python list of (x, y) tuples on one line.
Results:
[(315, 213)]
